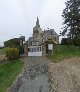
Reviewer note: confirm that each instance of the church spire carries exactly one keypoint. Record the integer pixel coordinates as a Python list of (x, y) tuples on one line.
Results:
[(37, 22)]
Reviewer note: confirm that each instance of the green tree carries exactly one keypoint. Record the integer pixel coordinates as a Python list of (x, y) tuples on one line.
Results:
[(71, 16), (12, 43), (15, 43)]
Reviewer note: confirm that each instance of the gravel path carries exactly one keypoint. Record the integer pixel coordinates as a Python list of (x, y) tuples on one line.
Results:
[(65, 75), (34, 78), (41, 75)]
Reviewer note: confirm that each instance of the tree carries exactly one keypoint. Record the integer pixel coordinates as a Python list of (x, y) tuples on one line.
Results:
[(15, 43), (12, 43), (71, 16)]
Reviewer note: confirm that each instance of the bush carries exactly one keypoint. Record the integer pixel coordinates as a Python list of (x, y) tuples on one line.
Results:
[(12, 53)]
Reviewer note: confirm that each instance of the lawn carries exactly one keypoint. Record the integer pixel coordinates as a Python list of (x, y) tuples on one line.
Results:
[(8, 73), (63, 51)]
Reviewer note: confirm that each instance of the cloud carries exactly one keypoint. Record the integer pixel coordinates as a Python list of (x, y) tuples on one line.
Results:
[(19, 16), (51, 15)]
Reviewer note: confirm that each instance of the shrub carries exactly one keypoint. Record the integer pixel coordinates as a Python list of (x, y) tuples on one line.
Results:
[(12, 53)]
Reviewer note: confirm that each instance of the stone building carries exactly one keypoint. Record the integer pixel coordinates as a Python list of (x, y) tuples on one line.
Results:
[(42, 42)]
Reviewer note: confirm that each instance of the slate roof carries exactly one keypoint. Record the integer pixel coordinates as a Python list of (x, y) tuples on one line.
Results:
[(30, 39), (51, 31)]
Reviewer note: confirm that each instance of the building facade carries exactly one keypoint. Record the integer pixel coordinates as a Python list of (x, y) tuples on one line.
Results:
[(41, 42)]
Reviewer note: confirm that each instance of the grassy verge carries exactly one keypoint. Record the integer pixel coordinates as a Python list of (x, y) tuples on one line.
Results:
[(63, 51), (8, 73), (2, 51)]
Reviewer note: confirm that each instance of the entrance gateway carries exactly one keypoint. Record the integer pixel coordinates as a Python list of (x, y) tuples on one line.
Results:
[(35, 51)]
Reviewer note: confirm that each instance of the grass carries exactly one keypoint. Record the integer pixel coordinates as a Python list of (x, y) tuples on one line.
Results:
[(2, 51), (63, 52), (8, 73)]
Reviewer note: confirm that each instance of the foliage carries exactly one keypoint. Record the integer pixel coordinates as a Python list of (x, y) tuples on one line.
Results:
[(68, 41), (12, 43), (15, 43), (62, 52), (12, 53), (8, 73), (77, 42), (71, 16), (21, 49), (2, 51), (64, 41)]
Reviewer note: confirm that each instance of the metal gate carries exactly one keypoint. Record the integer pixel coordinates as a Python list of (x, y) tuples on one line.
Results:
[(35, 51)]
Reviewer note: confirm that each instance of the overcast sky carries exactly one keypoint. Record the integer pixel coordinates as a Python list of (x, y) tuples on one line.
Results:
[(19, 17)]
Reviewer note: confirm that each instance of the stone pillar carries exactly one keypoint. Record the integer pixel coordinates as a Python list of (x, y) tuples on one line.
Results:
[(26, 50), (43, 49)]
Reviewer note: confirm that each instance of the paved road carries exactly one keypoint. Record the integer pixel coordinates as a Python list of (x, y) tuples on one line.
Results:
[(35, 77)]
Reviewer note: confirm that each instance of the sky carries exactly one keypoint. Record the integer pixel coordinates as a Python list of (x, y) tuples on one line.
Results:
[(19, 17)]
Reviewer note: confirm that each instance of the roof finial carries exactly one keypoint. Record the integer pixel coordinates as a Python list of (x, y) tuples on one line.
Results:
[(37, 22)]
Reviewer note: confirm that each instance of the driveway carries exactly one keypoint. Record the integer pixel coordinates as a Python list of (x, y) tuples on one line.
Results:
[(34, 78), (41, 75)]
